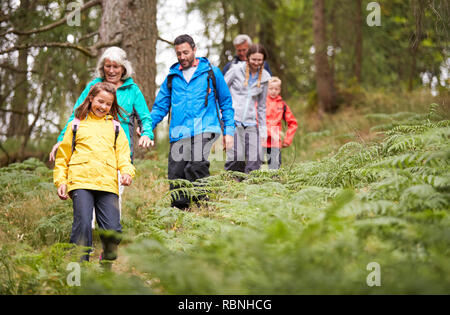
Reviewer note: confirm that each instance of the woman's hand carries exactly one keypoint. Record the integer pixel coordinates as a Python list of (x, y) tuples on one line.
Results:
[(145, 142), (62, 192), (52, 155), (125, 179)]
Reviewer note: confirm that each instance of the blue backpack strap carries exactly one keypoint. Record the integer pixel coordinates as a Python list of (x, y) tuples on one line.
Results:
[(75, 125)]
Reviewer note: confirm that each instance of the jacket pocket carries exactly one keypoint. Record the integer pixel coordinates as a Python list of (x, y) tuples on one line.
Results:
[(78, 159), (78, 170)]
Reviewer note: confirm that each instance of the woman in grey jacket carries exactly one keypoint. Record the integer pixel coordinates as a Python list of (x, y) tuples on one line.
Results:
[(248, 84)]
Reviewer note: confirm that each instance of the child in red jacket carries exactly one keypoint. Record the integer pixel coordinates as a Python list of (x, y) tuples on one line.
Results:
[(276, 111)]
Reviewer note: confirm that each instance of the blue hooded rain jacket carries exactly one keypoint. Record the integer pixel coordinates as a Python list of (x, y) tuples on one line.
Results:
[(186, 101)]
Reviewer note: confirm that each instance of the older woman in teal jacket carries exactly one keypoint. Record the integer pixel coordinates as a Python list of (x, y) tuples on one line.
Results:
[(113, 67)]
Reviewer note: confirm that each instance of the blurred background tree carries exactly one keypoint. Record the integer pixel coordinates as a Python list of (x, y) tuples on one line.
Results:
[(411, 41), (48, 52), (45, 63)]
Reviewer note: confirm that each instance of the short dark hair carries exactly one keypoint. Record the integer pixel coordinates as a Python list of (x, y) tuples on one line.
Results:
[(184, 39), (257, 48)]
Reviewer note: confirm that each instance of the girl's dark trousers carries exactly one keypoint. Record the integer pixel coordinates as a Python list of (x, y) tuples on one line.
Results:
[(106, 206)]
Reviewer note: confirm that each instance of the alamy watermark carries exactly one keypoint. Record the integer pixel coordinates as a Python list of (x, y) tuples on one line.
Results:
[(374, 17), (74, 16), (374, 277), (74, 277)]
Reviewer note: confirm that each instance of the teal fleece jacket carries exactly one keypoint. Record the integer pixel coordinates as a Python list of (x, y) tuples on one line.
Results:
[(131, 99)]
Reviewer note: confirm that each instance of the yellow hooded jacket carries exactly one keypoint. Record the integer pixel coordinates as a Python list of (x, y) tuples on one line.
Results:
[(94, 163)]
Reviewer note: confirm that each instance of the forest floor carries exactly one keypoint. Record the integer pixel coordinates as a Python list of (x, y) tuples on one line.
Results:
[(363, 186)]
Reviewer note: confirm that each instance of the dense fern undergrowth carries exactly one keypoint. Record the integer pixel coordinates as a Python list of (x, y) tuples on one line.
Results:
[(310, 227)]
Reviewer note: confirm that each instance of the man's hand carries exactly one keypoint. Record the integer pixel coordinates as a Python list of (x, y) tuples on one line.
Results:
[(62, 192), (125, 179), (227, 142), (145, 142), (52, 155), (138, 131)]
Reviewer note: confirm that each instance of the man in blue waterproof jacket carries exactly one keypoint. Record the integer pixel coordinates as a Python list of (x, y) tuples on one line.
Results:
[(199, 104)]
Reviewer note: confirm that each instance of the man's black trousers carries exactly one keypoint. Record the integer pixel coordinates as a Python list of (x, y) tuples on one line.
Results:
[(188, 159)]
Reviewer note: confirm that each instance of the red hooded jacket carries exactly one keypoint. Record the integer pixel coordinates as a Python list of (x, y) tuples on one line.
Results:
[(276, 111)]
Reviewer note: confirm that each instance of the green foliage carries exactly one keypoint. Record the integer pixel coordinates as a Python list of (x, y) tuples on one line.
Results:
[(310, 227), (315, 227)]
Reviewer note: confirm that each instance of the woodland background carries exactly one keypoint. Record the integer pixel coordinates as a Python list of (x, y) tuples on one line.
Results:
[(366, 179), (324, 51)]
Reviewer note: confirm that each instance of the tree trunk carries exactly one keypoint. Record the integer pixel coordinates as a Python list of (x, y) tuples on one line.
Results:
[(18, 123), (325, 88), (267, 36), (135, 21), (334, 38), (225, 43), (357, 67), (418, 7)]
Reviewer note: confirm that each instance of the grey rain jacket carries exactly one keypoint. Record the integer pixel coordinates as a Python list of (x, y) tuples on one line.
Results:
[(245, 97)]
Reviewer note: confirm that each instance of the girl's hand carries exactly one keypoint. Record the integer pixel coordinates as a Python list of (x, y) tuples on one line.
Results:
[(62, 192), (125, 179), (145, 142), (52, 155)]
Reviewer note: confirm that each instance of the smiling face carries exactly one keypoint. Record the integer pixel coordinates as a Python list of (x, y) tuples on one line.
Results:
[(113, 71), (255, 61), (274, 89), (101, 103), (185, 55)]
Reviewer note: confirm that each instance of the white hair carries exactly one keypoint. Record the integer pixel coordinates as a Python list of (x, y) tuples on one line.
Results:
[(118, 55), (242, 38)]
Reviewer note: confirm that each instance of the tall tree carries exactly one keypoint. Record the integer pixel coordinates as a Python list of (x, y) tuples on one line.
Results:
[(418, 7), (45, 37), (326, 92), (133, 22), (267, 36), (19, 100), (358, 22)]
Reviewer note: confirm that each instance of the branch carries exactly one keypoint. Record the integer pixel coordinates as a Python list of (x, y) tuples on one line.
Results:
[(165, 40), (84, 50), (11, 68), (52, 25), (3, 98), (87, 36), (20, 112), (91, 51), (99, 45)]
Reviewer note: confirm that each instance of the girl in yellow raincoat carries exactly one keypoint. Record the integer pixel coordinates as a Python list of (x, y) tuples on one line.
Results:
[(93, 150)]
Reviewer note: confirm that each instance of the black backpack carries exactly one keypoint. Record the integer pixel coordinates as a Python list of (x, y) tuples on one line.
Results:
[(211, 77)]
